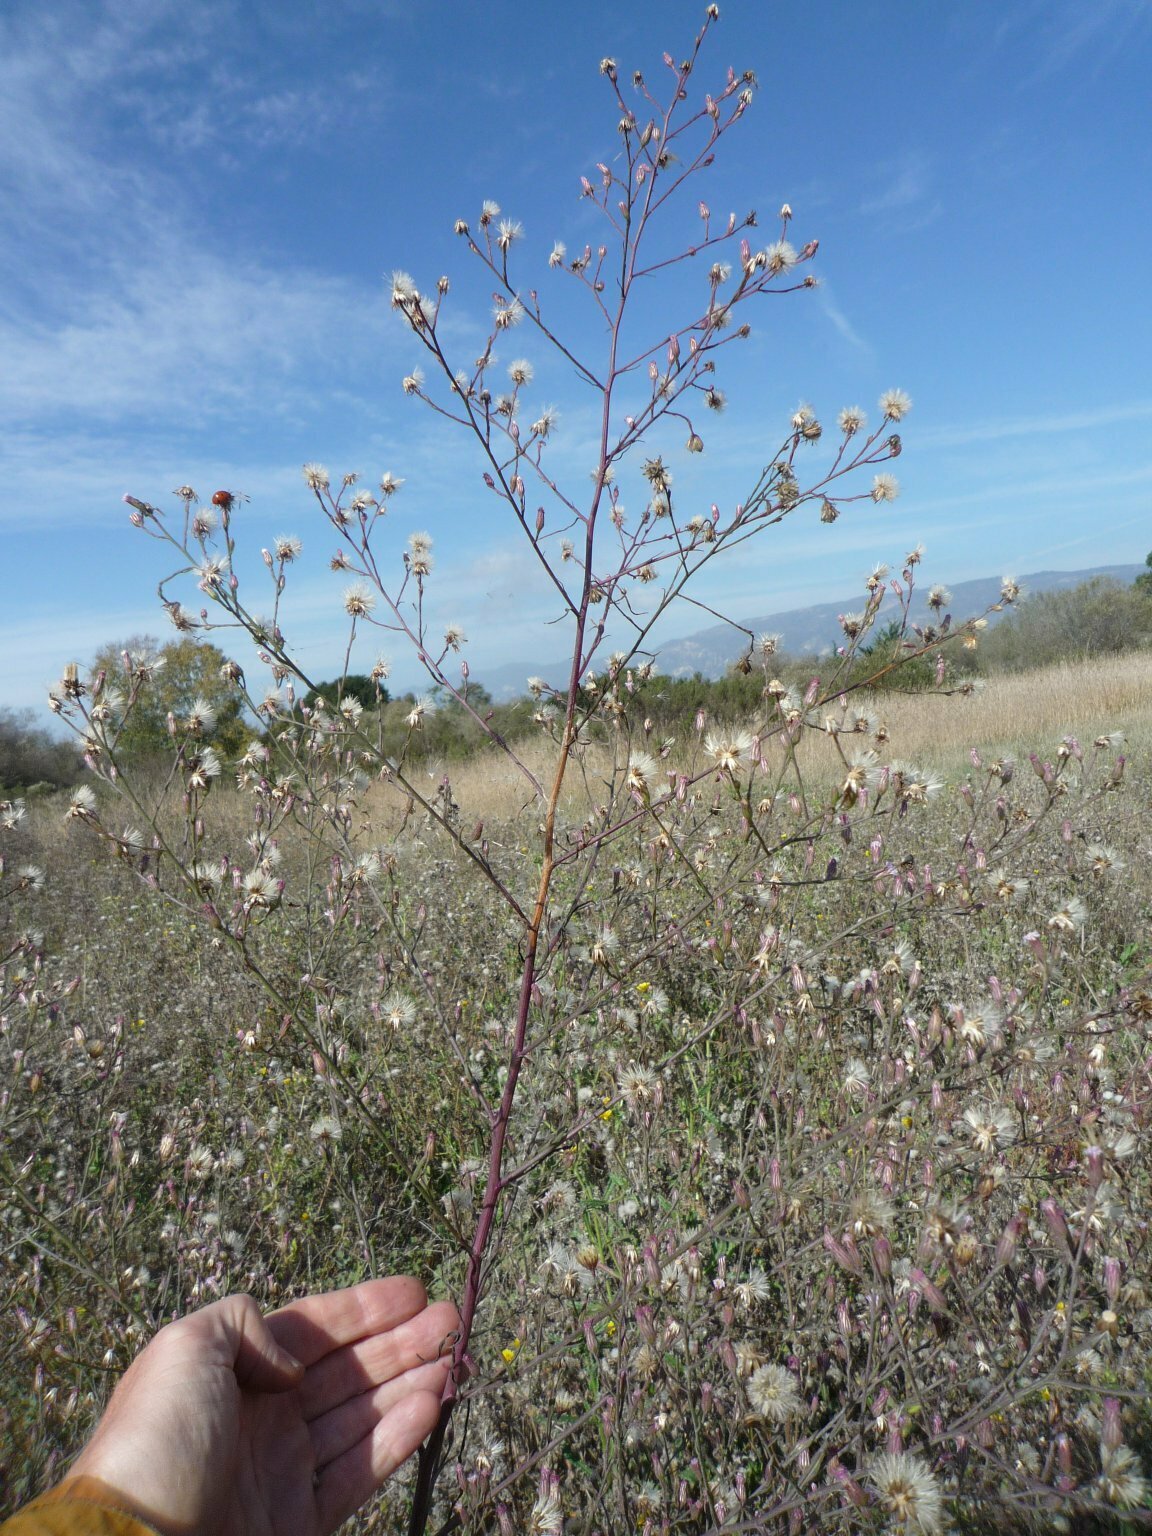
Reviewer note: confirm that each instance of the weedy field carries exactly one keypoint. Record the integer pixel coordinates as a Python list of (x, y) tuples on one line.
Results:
[(829, 1186), (771, 1093)]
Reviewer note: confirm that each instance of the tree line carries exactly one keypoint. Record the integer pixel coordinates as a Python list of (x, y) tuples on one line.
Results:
[(1098, 617)]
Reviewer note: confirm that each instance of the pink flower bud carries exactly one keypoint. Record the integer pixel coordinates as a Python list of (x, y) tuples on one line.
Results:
[(1111, 1280), (1057, 1225), (845, 1253), (931, 1292), (1006, 1247)]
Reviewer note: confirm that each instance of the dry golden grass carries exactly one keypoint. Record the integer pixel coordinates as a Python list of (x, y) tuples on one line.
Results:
[(490, 787), (1027, 711), (1015, 713)]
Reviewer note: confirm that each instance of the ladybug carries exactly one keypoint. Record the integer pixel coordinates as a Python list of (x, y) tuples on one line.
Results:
[(223, 499)]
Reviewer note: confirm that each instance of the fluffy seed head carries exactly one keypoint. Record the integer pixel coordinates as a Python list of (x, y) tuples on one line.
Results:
[(359, 601), (729, 748), (908, 1491), (885, 487), (772, 1393), (404, 290), (989, 1126), (511, 230), (895, 404), (398, 1011), (780, 257)]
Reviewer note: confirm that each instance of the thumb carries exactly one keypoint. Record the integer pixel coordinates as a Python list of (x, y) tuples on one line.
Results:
[(258, 1361)]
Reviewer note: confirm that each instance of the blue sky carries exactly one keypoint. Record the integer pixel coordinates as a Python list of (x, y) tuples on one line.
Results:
[(202, 203)]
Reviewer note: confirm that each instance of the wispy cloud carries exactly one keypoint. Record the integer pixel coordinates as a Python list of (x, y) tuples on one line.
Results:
[(122, 311), (840, 320), (1035, 426), (1087, 36), (189, 334), (903, 184), (904, 190)]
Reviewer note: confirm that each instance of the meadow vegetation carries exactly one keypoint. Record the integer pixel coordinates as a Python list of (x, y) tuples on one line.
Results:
[(769, 1081)]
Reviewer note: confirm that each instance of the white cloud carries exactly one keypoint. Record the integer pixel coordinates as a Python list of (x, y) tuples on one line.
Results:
[(904, 183), (840, 320), (905, 194), (1108, 416), (1087, 36), (189, 335)]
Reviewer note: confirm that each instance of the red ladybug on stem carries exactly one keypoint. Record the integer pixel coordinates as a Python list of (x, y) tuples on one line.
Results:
[(225, 500)]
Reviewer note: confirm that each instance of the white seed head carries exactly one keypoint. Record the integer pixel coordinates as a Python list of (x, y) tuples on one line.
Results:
[(895, 404), (359, 601), (885, 487)]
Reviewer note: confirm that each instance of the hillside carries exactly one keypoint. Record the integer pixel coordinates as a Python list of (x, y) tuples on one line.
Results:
[(804, 631)]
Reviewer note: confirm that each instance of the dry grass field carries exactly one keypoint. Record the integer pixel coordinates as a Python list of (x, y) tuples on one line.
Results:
[(1013, 714), (831, 1159)]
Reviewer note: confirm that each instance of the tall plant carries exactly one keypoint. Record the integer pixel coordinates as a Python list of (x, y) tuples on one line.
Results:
[(739, 1294)]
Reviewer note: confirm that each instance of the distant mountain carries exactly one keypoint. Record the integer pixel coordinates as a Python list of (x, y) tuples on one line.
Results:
[(803, 631)]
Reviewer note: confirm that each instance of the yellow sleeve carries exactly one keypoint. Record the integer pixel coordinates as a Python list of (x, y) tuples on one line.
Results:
[(79, 1506)]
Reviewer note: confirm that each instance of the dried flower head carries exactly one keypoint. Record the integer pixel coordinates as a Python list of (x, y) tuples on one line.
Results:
[(772, 1393), (545, 423), (779, 257), (857, 1078), (507, 312), (895, 404), (1070, 918), (1122, 1481), (511, 230), (359, 601), (637, 1085), (404, 291), (756, 1287), (730, 748), (419, 555), (287, 548), (885, 487), (870, 1213), (397, 1010), (565, 1271), (81, 806), (203, 767), (989, 1127), (908, 1490), (201, 717)]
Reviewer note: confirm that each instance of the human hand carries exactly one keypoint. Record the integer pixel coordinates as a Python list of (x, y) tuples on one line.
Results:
[(230, 1422)]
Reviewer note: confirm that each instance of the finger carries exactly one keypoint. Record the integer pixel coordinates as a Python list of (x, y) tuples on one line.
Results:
[(347, 1483), (258, 1359), (369, 1362), (343, 1427), (315, 1325)]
